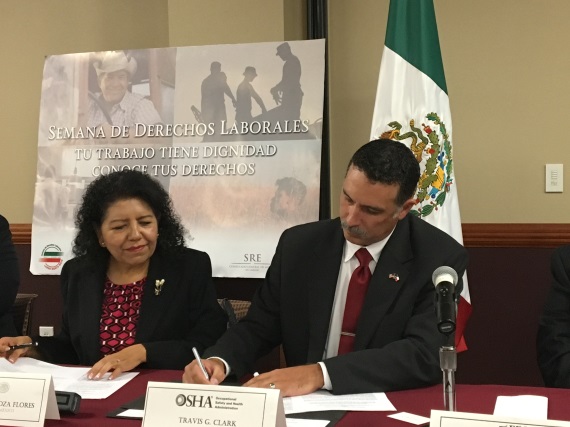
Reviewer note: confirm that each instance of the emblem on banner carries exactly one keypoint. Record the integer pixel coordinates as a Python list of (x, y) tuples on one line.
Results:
[(52, 257), (432, 148)]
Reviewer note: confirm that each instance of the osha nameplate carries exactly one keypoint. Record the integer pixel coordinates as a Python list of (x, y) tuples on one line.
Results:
[(175, 404)]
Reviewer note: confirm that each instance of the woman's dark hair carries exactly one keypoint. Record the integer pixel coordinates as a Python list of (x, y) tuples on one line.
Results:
[(388, 162), (122, 185)]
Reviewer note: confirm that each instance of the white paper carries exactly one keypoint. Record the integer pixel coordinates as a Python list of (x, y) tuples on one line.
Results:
[(525, 406), (325, 401), (298, 422), (69, 378), (410, 418), (132, 413), (465, 419)]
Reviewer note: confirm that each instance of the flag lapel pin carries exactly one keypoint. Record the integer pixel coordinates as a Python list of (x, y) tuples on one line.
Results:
[(394, 277)]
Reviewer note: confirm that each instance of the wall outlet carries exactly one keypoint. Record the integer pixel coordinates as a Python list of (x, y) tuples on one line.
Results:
[(46, 331)]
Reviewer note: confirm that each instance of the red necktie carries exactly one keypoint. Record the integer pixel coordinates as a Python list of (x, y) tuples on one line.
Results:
[(354, 300)]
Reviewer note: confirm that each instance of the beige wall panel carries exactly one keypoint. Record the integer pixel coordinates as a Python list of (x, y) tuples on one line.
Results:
[(295, 19), (506, 65), (32, 29), (199, 22), (356, 39)]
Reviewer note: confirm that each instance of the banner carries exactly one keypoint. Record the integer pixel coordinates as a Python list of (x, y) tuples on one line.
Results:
[(233, 132), (412, 106)]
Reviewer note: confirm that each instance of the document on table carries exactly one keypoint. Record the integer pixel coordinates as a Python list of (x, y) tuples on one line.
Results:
[(532, 407), (324, 401), (69, 378)]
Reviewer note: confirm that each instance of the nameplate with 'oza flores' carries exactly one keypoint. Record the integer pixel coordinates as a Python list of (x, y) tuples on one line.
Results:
[(174, 404), (26, 400)]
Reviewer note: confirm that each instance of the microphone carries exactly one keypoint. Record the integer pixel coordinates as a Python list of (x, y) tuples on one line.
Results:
[(445, 278)]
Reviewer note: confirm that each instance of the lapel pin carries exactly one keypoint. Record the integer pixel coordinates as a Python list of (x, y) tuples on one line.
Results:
[(158, 286), (394, 277)]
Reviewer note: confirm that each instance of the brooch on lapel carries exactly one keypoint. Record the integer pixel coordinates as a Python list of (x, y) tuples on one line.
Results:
[(158, 286), (394, 277)]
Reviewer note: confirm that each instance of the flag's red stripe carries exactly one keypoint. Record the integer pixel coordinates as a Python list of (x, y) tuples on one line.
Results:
[(463, 312)]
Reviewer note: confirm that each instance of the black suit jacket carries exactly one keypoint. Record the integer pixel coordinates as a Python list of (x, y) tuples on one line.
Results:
[(9, 280), (553, 339), (397, 341), (185, 313)]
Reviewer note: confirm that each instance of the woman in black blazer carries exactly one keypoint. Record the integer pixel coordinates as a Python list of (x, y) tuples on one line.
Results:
[(134, 295)]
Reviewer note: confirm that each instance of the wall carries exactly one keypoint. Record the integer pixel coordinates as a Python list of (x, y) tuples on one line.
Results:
[(506, 67), (508, 289), (193, 22), (506, 71)]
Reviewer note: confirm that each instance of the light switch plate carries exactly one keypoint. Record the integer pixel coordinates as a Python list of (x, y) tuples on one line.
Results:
[(554, 178)]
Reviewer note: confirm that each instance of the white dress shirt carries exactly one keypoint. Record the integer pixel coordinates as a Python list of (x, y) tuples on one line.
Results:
[(349, 263)]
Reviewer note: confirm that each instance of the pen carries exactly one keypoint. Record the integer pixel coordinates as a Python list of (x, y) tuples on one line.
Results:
[(19, 346), (197, 357)]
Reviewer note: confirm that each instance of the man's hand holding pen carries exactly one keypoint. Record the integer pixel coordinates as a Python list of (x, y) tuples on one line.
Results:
[(214, 367), (13, 348)]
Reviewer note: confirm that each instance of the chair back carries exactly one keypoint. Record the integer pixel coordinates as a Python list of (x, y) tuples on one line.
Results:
[(235, 309), (22, 313)]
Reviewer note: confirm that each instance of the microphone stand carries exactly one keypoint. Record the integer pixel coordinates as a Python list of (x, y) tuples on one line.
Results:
[(445, 278), (448, 364)]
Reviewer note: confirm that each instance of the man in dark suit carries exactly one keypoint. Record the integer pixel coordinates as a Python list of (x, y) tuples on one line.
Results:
[(9, 279), (553, 342), (301, 304)]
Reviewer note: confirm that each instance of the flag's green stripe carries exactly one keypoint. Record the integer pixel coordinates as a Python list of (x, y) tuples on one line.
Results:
[(412, 34)]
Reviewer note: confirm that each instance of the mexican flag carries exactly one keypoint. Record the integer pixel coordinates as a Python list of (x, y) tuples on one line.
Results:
[(412, 106)]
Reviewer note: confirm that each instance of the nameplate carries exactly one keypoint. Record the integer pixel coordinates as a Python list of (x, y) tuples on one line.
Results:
[(173, 404), (464, 419), (27, 399)]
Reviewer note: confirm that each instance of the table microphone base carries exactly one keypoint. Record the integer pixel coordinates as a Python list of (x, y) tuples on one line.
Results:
[(448, 363)]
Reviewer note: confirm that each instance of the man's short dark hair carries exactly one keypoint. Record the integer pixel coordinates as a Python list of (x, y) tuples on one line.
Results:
[(388, 162)]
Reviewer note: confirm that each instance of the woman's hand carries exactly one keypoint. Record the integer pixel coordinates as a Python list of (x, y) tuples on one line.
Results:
[(7, 342), (122, 361)]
